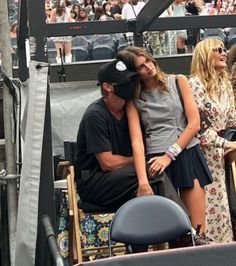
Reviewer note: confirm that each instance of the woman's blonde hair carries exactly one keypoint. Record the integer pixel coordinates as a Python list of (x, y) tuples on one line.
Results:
[(128, 56), (203, 65)]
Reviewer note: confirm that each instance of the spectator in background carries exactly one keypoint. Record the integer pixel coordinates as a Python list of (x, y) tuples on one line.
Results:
[(117, 9), (193, 7), (68, 4), (130, 10), (216, 7), (88, 6), (98, 13), (215, 100), (48, 14), (83, 15), (13, 30), (222, 11), (112, 3), (60, 15), (73, 15), (232, 9), (87, 3), (179, 10), (107, 9), (13, 36), (76, 7), (95, 4), (157, 39), (48, 4)]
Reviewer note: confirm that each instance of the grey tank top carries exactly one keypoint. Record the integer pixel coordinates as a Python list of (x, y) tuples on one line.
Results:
[(162, 117)]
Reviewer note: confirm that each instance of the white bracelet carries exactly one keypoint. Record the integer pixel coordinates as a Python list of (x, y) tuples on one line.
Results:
[(177, 147)]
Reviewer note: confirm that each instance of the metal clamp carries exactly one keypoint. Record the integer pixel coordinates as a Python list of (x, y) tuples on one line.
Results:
[(4, 176)]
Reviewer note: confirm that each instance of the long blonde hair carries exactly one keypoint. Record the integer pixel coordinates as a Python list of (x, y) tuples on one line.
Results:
[(128, 56), (203, 65)]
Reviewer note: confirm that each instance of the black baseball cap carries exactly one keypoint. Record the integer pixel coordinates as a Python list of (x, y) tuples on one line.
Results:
[(115, 71)]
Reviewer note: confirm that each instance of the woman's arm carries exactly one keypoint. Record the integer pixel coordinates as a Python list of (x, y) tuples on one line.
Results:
[(159, 164), (138, 149), (209, 135), (191, 113)]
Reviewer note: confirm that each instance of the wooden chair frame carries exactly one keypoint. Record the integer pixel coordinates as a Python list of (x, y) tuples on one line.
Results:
[(76, 252)]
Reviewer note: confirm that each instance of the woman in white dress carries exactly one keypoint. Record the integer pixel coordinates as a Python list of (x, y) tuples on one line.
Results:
[(214, 97), (59, 15)]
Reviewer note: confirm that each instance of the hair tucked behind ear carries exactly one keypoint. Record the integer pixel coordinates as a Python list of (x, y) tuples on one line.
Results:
[(128, 56)]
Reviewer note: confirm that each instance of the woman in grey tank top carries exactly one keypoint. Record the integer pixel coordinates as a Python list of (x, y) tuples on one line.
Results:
[(170, 120)]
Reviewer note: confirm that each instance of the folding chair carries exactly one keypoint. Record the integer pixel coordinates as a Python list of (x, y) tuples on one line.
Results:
[(80, 243), (104, 47), (149, 220)]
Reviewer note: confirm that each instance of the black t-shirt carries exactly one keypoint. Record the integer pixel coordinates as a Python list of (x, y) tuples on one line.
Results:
[(100, 131)]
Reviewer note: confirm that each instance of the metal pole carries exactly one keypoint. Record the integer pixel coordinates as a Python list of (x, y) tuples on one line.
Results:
[(51, 237), (8, 127)]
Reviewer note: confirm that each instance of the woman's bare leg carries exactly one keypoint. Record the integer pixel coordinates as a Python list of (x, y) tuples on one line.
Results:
[(194, 199)]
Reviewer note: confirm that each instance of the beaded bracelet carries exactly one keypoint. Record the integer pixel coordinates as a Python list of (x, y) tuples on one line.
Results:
[(170, 155), (173, 151), (177, 147)]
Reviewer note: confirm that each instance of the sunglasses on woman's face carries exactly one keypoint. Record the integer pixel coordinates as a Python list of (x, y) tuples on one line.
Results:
[(220, 50)]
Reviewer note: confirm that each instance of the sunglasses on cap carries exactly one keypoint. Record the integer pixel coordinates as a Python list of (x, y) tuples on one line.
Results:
[(220, 50)]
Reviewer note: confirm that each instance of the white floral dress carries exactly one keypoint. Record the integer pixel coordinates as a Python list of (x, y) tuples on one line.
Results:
[(221, 113)]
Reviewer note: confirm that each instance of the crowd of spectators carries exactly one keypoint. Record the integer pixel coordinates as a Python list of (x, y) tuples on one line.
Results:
[(158, 43)]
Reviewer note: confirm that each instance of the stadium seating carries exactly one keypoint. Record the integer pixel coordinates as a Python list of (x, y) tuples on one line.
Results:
[(104, 47), (232, 37), (81, 48), (52, 52), (214, 32), (122, 43)]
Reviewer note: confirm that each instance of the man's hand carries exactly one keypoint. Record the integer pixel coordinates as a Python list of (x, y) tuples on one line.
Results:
[(144, 190)]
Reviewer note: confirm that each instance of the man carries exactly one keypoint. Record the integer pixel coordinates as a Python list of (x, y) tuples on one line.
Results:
[(104, 163), (117, 8), (130, 11)]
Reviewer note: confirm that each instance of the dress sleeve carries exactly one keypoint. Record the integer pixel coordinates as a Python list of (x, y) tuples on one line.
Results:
[(208, 136)]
